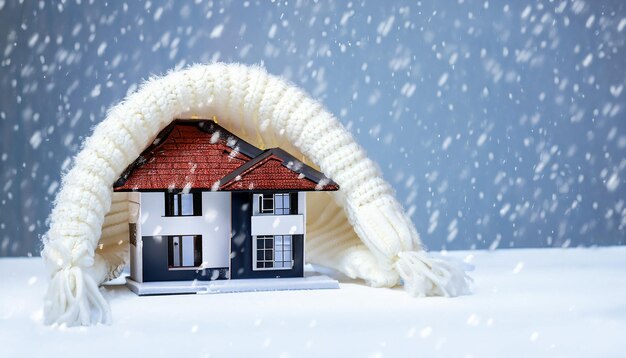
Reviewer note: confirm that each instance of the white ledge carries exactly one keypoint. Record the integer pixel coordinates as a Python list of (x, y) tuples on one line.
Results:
[(277, 225), (313, 282)]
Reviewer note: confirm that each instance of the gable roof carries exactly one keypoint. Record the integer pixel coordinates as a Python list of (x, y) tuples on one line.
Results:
[(201, 155), (276, 166), (186, 153)]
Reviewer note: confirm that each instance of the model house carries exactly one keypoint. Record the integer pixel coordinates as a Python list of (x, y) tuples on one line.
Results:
[(213, 213)]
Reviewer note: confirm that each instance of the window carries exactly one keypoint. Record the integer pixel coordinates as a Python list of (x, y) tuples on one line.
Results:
[(282, 204), (183, 204), (184, 251), (266, 203), (272, 252), (277, 204)]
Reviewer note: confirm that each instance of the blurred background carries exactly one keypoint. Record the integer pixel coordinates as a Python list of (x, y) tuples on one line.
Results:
[(499, 124)]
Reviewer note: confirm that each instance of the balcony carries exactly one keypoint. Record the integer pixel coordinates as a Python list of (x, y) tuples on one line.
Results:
[(277, 225)]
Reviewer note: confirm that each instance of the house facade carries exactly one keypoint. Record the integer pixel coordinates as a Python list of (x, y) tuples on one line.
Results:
[(209, 211)]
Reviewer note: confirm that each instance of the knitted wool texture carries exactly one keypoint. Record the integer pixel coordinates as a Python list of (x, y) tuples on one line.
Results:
[(361, 230)]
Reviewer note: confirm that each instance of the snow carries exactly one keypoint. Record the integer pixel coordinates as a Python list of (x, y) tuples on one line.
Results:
[(217, 31), (272, 31), (613, 182), (616, 90), (527, 303), (588, 59), (385, 26)]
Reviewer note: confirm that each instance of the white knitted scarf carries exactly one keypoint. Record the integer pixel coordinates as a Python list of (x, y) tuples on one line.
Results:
[(361, 230)]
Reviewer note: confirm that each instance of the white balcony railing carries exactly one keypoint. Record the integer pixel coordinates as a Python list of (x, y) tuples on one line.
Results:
[(277, 225)]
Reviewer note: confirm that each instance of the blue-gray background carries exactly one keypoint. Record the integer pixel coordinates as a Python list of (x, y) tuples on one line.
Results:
[(499, 124)]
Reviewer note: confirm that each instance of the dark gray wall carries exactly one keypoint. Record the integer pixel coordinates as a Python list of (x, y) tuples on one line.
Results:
[(241, 253), (155, 264), (499, 124)]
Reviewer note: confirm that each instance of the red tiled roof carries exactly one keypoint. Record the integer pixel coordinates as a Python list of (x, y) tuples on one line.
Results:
[(186, 154), (202, 155), (269, 171)]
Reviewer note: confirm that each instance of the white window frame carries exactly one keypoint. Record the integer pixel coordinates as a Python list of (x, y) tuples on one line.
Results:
[(283, 205), (183, 243), (262, 198), (273, 268), (182, 204)]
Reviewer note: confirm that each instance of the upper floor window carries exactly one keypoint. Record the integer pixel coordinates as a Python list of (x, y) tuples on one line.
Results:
[(183, 204), (266, 203), (278, 204)]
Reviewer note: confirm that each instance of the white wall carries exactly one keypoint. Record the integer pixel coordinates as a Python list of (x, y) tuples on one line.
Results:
[(302, 211), (214, 225), (302, 204), (136, 258)]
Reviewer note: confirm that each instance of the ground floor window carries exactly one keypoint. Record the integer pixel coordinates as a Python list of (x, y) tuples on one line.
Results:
[(272, 252), (184, 251)]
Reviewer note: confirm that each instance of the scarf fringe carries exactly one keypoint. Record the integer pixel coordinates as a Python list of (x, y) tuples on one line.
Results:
[(424, 275), (73, 298)]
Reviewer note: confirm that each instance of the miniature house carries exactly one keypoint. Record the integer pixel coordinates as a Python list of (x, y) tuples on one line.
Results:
[(210, 212)]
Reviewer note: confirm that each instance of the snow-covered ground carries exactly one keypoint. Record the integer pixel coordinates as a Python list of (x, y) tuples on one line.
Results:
[(527, 303)]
